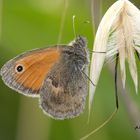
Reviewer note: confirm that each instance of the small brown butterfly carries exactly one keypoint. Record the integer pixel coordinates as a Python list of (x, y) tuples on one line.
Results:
[(55, 74)]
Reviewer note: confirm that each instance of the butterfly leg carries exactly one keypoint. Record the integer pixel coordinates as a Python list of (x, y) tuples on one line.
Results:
[(88, 78), (96, 51)]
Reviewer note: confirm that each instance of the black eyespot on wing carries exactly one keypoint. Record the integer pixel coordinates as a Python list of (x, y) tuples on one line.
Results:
[(19, 68)]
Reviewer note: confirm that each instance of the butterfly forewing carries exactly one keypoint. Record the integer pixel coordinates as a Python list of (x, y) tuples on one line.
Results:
[(35, 65)]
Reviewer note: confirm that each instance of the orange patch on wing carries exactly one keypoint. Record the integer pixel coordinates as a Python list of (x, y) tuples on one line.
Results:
[(36, 65)]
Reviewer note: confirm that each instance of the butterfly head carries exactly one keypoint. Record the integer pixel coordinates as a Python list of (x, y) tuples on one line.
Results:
[(80, 46), (79, 41)]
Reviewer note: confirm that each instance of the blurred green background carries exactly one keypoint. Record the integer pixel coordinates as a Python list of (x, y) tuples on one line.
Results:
[(29, 24)]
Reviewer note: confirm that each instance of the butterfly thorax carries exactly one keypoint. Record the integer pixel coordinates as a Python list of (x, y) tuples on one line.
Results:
[(76, 52)]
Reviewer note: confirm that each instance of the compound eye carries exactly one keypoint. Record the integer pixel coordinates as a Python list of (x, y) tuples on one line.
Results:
[(19, 68)]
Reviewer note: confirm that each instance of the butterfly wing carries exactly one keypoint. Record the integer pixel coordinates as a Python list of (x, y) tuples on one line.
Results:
[(26, 72), (64, 90)]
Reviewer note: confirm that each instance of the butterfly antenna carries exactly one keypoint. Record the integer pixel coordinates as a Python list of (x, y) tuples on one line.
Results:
[(86, 21), (116, 109), (73, 24), (63, 17), (83, 27)]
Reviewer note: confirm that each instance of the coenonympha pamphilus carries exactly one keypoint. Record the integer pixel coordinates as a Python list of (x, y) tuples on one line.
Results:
[(55, 74)]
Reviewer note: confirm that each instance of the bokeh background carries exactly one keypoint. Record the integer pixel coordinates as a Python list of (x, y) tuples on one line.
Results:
[(29, 24)]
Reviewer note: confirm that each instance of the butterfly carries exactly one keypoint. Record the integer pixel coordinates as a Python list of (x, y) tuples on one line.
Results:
[(55, 74)]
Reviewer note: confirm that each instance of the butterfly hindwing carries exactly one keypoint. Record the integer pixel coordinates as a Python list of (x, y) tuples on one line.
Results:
[(64, 89)]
